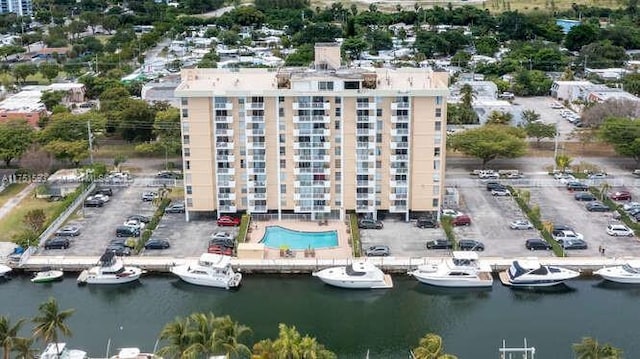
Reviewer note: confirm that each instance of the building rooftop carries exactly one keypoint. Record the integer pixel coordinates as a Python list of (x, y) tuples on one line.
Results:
[(24, 101)]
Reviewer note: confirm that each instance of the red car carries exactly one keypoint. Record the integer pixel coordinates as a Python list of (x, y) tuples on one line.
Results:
[(620, 196), (462, 220), (220, 250), (228, 221)]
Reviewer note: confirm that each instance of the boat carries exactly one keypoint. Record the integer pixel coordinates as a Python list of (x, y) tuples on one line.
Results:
[(110, 270), (134, 353), (47, 275), (60, 351), (4, 270), (463, 269), (628, 273), (530, 273), (358, 275), (210, 270)]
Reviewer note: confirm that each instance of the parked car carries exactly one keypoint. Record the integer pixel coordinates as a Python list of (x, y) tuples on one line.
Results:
[(126, 231), (462, 220), (495, 185), (597, 176), (228, 221), (101, 197), (564, 177), (448, 212), (134, 224), (564, 235), (513, 175), (57, 243), (470, 245), (92, 202), (367, 223), (535, 244), (631, 205), (175, 208), (577, 186), (440, 244), (426, 222), (168, 175), (620, 196), (377, 251), (68, 231), (221, 235), (521, 224), (223, 242), (217, 249), (157, 244), (636, 173), (584, 196), (129, 243), (596, 206), (489, 175), (149, 196), (562, 227), (618, 230), (104, 191), (139, 217), (119, 250), (569, 244), (502, 192)]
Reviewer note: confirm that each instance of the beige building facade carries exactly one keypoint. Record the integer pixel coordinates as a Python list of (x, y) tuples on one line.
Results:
[(321, 141)]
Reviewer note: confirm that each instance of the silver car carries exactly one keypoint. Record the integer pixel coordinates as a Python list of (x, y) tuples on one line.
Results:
[(377, 251), (521, 224)]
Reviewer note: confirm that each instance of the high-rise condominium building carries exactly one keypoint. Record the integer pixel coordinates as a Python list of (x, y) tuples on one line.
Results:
[(323, 140), (19, 7)]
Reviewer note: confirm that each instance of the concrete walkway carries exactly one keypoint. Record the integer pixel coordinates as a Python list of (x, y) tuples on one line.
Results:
[(7, 207)]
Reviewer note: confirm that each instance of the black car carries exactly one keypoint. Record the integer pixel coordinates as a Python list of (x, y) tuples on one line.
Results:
[(440, 244), (93, 203), (157, 244), (470, 245), (104, 191), (368, 223), (584, 196), (562, 227), (535, 244), (597, 207), (224, 242), (127, 231), (169, 175), (425, 222), (57, 243), (119, 250), (568, 244), (495, 186), (139, 217), (123, 242), (577, 186)]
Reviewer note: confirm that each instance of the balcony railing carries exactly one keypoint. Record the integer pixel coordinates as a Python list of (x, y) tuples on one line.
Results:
[(305, 145), (397, 209), (400, 105), (258, 209), (366, 105), (399, 132), (227, 209), (399, 158), (224, 119), (256, 105), (312, 132), (366, 131), (227, 184), (399, 119), (312, 158), (396, 145), (223, 106), (229, 196), (254, 119), (226, 171), (227, 145)]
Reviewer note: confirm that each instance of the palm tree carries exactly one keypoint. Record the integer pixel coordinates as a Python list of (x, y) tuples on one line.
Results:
[(563, 162), (8, 335), (287, 345), (202, 334), (50, 321), (467, 95), (431, 347), (227, 334), (604, 188), (589, 348), (24, 348), (177, 335), (264, 350)]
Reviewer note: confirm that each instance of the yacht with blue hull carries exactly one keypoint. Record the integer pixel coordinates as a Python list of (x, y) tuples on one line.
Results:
[(530, 273)]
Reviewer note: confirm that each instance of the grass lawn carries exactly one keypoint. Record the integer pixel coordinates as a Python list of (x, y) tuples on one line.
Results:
[(494, 6), (11, 191), (4, 78), (12, 223)]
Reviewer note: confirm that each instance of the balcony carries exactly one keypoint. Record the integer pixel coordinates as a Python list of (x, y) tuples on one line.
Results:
[(255, 105), (311, 145), (223, 106), (366, 196), (399, 119), (370, 145), (399, 158), (398, 170), (397, 184), (223, 119), (256, 145), (366, 171), (311, 105), (311, 119), (363, 183), (312, 158), (226, 145), (366, 131), (396, 145), (227, 209), (317, 209), (257, 158), (256, 171), (365, 158), (367, 119), (224, 132), (312, 132), (254, 184), (319, 184), (227, 184), (400, 132), (255, 132), (254, 196), (365, 105), (397, 209), (254, 119), (226, 171), (226, 158), (313, 170), (229, 196), (365, 209), (258, 209), (397, 196), (400, 105), (312, 196)]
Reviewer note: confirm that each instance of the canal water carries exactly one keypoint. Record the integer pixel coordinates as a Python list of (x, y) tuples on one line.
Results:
[(386, 323)]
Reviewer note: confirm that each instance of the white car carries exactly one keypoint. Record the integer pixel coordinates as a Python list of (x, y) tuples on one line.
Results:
[(221, 235), (564, 235), (500, 192), (630, 206), (556, 105), (451, 213), (101, 197), (521, 224), (135, 224), (566, 179), (618, 230)]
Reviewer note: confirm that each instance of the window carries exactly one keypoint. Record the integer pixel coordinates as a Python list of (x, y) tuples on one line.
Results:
[(282, 151), (283, 163), (281, 99), (283, 188), (325, 85), (185, 139), (281, 112), (435, 202), (189, 190), (351, 85), (436, 190), (436, 165), (436, 152), (438, 100), (337, 164), (379, 138), (184, 101), (187, 152), (338, 151), (438, 112), (185, 113), (338, 176), (241, 163), (438, 125), (187, 165), (338, 188), (337, 124), (189, 202), (338, 100), (379, 112), (338, 112)]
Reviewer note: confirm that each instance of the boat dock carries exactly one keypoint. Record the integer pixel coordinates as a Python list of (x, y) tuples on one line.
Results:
[(504, 278), (392, 265)]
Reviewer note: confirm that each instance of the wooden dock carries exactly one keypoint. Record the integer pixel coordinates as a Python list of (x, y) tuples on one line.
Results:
[(504, 278)]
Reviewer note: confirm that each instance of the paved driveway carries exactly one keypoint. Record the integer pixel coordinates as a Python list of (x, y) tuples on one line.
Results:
[(187, 239), (541, 105), (404, 239)]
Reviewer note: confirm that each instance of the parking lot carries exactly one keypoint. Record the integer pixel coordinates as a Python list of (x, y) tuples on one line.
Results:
[(404, 239), (188, 239)]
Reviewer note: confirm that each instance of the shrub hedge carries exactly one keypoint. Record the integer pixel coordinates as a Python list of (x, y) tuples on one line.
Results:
[(356, 246)]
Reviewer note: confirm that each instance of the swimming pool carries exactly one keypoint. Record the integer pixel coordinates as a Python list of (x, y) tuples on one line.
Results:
[(278, 237)]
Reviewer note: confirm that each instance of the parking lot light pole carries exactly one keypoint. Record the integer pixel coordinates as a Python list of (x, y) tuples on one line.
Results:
[(555, 149)]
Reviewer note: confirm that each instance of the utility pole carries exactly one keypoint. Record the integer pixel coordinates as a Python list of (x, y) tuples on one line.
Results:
[(90, 136), (584, 70), (97, 64)]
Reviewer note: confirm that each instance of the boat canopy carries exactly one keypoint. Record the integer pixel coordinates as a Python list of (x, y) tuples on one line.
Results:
[(465, 255), (214, 260), (107, 258)]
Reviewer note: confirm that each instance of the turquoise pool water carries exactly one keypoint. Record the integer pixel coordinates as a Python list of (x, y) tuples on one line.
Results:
[(277, 237)]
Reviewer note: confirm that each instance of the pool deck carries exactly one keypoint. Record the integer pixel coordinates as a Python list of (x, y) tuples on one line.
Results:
[(343, 251)]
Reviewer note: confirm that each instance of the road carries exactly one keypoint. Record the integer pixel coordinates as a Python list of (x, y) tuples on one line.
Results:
[(541, 105), (7, 207)]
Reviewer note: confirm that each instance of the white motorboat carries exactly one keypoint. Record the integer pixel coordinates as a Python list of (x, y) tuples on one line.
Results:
[(530, 273), (110, 270), (211, 270), (47, 276), (358, 275), (134, 353), (60, 351), (4, 270), (462, 270), (629, 273)]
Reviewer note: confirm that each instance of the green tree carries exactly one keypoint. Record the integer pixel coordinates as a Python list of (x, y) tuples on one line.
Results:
[(49, 70), (15, 138), (499, 118), (623, 134), (490, 142), (9, 335), (431, 347), (50, 322), (51, 99), (563, 162), (72, 151), (589, 348), (353, 47), (34, 219), (530, 116), (228, 334), (23, 347), (22, 71), (581, 35), (539, 130), (176, 334)]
